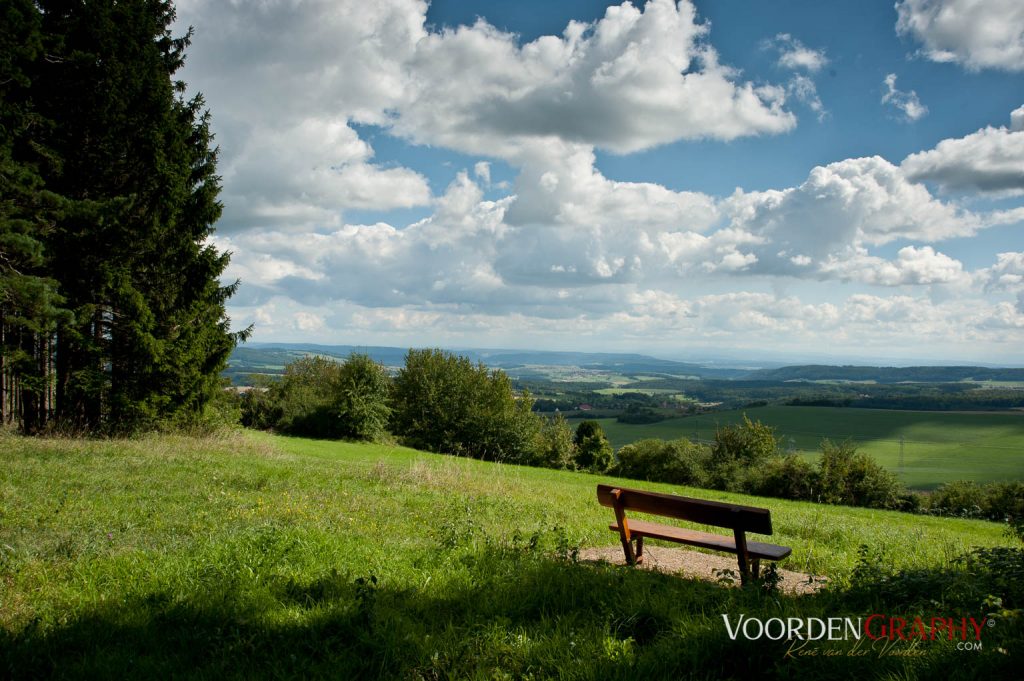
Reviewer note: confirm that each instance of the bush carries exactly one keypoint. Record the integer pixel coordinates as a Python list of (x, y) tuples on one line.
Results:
[(260, 404), (443, 403), (1000, 501), (1004, 501), (853, 478), (677, 461), (318, 397), (553, 446), (593, 451), (786, 477), (361, 398), (747, 443), (637, 415), (963, 498), (305, 398)]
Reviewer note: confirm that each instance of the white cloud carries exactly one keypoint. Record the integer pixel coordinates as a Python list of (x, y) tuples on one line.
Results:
[(482, 170), (308, 174), (1007, 274), (976, 33), (803, 89), (288, 78), (570, 251), (856, 202), (989, 160), (913, 266), (632, 80), (794, 55), (307, 321), (907, 102)]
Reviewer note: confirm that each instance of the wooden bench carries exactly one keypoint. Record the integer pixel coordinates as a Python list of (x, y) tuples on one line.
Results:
[(740, 519)]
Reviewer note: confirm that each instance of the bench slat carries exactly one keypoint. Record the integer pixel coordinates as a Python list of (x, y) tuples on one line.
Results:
[(703, 539), (702, 511)]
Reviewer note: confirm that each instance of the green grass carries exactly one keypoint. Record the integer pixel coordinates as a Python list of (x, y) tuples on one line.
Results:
[(252, 556), (937, 446)]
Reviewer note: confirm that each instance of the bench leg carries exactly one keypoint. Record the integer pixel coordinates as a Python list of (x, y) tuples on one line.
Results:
[(741, 555), (744, 568), (627, 549), (755, 567), (640, 549)]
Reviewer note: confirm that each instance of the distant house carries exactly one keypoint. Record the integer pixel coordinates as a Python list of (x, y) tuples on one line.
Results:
[(585, 407)]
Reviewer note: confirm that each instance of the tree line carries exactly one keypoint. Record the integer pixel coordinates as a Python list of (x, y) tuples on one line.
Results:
[(112, 316), (442, 402), (438, 401)]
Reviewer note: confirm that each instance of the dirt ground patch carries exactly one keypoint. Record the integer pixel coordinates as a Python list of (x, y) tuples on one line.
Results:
[(698, 565)]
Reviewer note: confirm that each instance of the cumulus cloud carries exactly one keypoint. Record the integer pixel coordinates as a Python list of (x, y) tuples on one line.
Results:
[(912, 266), (906, 102), (569, 248), (990, 160), (634, 79), (977, 34), (1007, 274), (288, 78), (306, 174), (856, 202)]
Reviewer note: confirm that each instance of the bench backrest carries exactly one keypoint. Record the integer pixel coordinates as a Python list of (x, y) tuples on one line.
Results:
[(719, 514)]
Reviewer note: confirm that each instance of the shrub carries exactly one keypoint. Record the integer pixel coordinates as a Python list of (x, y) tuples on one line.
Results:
[(1000, 501), (305, 397), (855, 479), (317, 397), (963, 498), (593, 451), (747, 443), (553, 446), (1004, 501), (361, 398), (443, 403), (786, 477), (677, 461)]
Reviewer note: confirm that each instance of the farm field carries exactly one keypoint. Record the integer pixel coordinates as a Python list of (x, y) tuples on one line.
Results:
[(937, 446), (251, 555)]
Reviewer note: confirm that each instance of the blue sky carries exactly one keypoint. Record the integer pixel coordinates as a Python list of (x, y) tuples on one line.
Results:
[(748, 179)]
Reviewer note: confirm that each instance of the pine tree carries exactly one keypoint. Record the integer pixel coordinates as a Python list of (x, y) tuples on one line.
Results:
[(30, 307), (148, 334)]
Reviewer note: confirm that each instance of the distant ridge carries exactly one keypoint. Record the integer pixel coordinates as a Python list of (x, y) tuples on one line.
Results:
[(914, 374), (269, 357)]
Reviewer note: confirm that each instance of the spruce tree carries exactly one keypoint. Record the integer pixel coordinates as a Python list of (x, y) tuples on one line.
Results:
[(30, 307), (138, 176)]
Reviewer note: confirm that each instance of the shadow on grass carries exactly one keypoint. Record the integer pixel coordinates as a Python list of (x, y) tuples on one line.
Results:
[(501, 613)]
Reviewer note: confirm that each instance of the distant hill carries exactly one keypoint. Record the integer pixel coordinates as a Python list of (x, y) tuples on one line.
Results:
[(919, 374), (270, 358)]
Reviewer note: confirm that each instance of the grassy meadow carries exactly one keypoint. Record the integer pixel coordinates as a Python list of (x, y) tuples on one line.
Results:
[(250, 555), (938, 446)]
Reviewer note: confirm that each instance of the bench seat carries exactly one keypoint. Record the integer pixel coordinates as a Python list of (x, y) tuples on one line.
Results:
[(705, 540)]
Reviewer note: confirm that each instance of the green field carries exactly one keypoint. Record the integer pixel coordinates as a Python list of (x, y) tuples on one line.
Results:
[(937, 446), (638, 391), (251, 556)]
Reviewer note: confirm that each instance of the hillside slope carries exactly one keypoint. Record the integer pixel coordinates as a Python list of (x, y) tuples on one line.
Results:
[(253, 555)]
